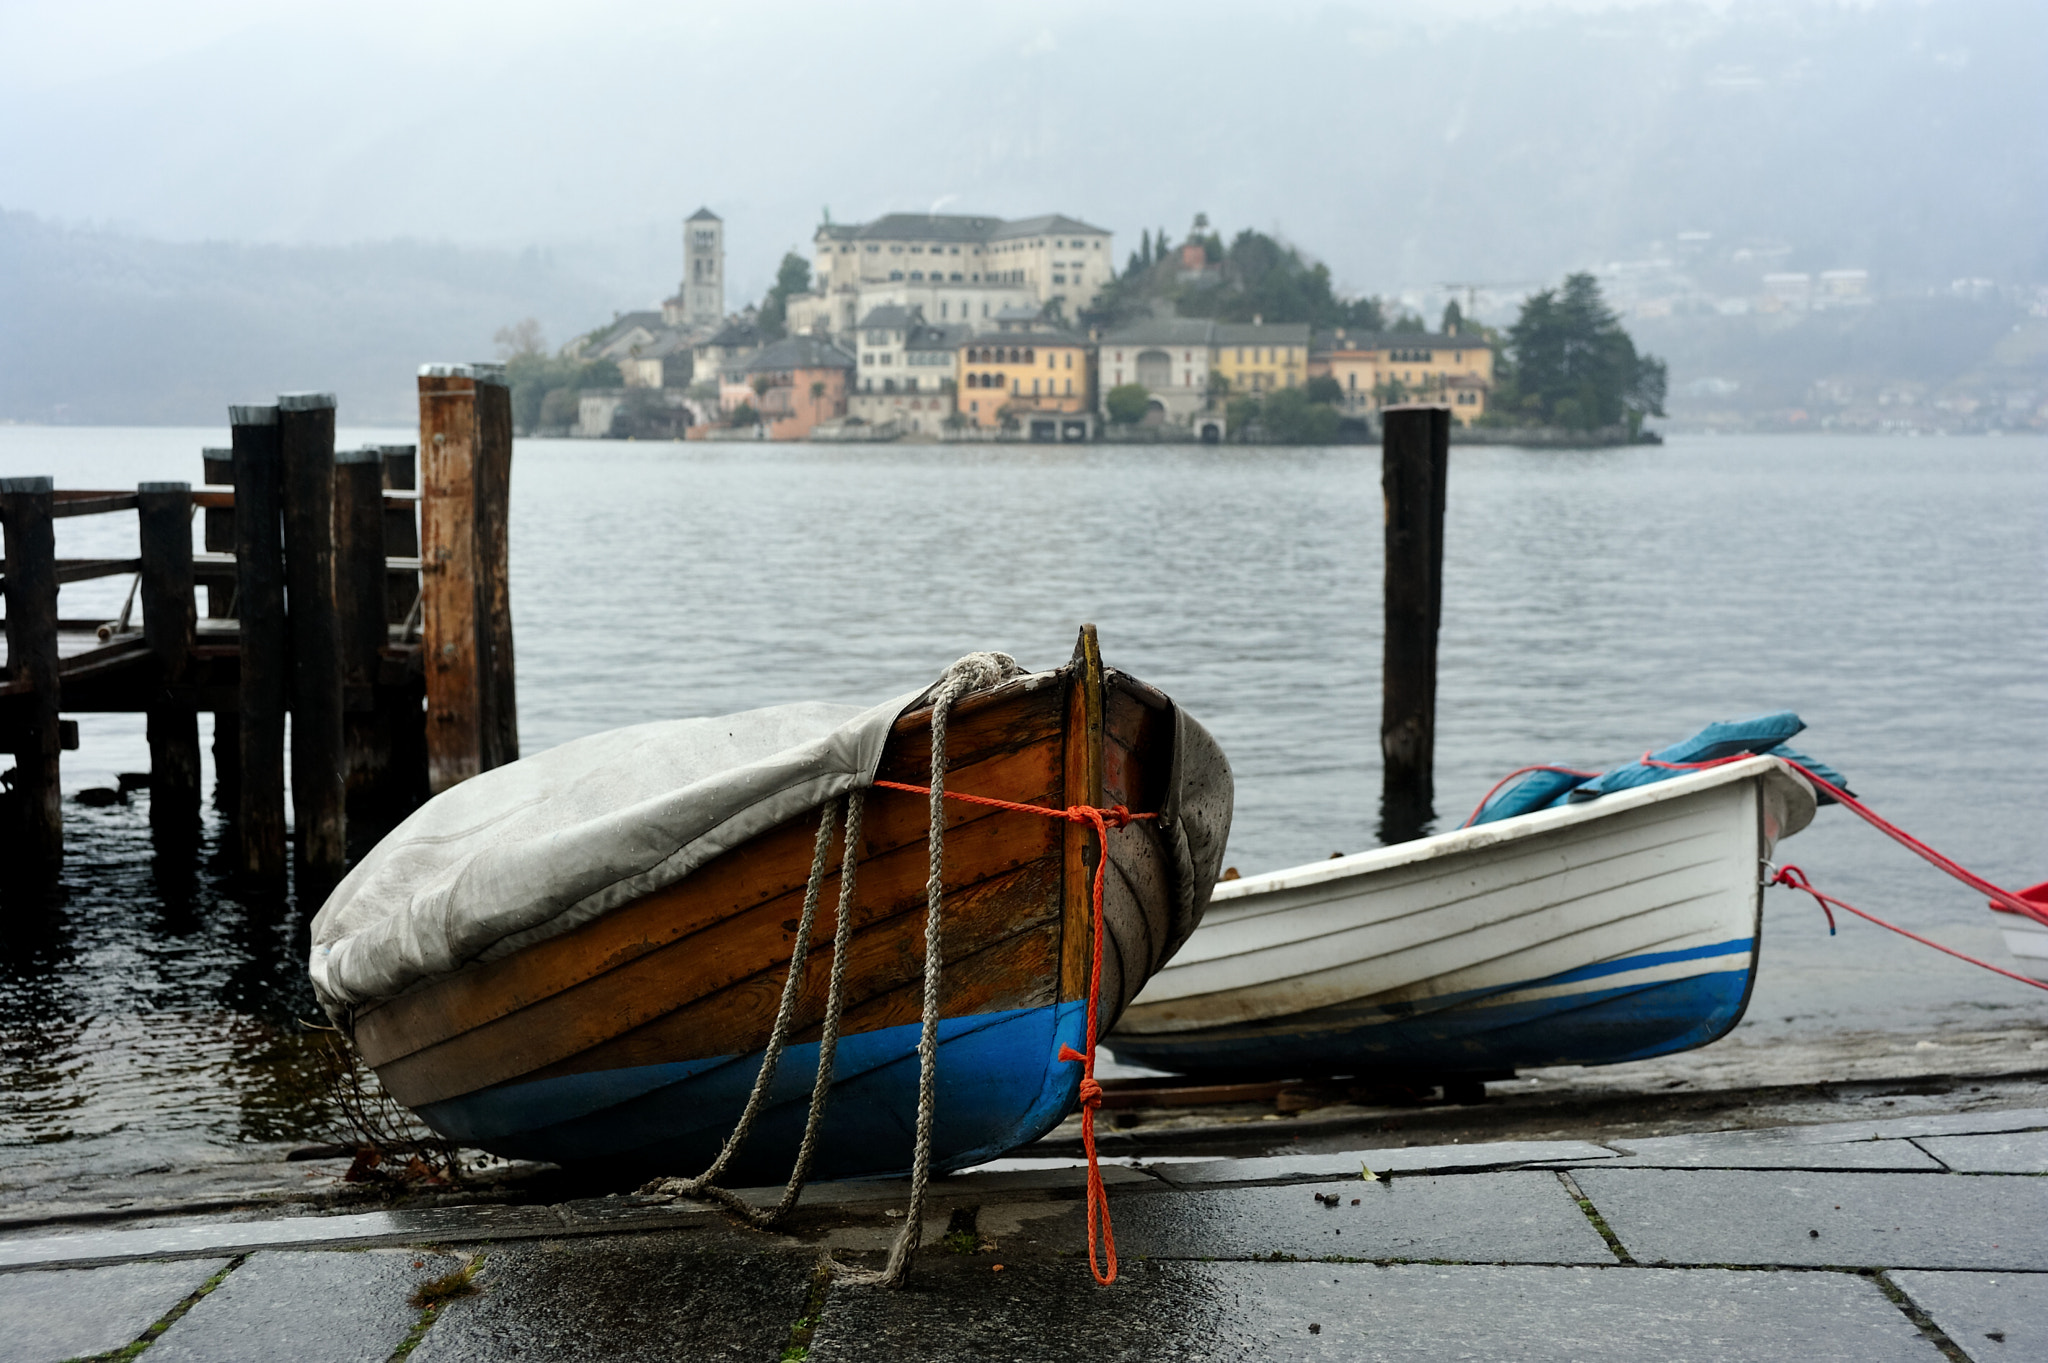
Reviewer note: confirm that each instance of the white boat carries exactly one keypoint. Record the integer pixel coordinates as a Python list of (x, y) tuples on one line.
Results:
[(1609, 930)]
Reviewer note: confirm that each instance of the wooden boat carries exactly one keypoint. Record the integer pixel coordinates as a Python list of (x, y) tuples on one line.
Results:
[(2026, 938), (636, 1037), (1616, 929)]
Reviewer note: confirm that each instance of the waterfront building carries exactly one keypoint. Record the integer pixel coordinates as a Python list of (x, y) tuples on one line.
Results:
[(1378, 368), (727, 348), (1023, 372), (797, 383), (905, 369), (1169, 356), (1261, 357), (956, 267)]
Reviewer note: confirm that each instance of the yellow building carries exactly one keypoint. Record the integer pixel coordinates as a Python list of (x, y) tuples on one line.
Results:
[(1262, 356), (1376, 369), (1021, 369)]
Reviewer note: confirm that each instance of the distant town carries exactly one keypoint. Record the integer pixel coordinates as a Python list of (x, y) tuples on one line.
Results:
[(934, 327)]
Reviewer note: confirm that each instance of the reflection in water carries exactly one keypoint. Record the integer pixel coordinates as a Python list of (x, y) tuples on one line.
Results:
[(142, 1006)]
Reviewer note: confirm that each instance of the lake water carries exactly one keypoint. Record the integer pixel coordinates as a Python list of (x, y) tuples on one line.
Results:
[(1595, 604)]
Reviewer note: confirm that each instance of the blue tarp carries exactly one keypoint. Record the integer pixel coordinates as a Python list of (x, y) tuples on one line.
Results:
[(1545, 787)]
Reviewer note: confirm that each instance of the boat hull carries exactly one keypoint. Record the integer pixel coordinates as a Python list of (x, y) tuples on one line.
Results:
[(635, 1038), (1607, 931)]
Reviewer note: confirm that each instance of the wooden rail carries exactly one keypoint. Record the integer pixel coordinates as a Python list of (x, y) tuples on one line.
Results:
[(323, 595)]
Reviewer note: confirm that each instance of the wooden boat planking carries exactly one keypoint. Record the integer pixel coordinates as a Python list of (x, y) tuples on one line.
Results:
[(696, 970)]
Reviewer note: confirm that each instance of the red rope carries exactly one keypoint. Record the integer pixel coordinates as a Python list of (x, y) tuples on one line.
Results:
[(1091, 1091), (1794, 878), (2004, 899), (1480, 808)]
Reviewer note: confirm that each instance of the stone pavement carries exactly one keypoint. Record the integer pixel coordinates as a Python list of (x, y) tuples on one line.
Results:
[(1918, 1238)]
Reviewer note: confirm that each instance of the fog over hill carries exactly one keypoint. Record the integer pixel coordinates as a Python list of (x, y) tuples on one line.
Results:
[(550, 155)]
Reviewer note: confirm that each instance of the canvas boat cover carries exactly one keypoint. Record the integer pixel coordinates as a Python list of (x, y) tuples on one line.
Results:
[(530, 850)]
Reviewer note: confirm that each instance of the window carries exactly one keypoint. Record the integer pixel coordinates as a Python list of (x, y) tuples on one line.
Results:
[(1070, 359), (1059, 279), (1034, 388), (910, 384), (1070, 388), (873, 249), (895, 274), (917, 274), (917, 250), (895, 250)]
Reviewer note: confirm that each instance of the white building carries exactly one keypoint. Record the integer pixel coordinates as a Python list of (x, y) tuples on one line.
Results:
[(1170, 356), (955, 268), (905, 371)]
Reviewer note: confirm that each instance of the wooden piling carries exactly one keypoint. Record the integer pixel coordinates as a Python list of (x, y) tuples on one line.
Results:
[(169, 623), (359, 597), (264, 650), (1414, 467), (494, 564), (466, 641), (35, 802), (305, 442)]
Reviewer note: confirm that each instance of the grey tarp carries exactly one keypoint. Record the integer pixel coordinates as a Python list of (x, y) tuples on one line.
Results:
[(530, 850)]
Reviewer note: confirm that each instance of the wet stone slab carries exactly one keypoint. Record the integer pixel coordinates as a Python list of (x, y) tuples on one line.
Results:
[(1184, 1311), (1785, 1147), (626, 1298), (421, 1225), (2024, 1152), (1991, 1315), (66, 1313), (307, 1306), (1397, 1160), (1713, 1216), (1480, 1218)]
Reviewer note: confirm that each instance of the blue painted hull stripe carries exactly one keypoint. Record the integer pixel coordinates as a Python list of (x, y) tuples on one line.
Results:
[(1000, 1086)]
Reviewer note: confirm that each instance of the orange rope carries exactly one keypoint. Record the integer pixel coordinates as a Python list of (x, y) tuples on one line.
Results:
[(1091, 1091)]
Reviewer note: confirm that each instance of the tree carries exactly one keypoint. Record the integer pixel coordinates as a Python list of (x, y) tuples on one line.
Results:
[(1573, 366), (1293, 417), (743, 416), (1126, 403), (1324, 389), (523, 337), (1145, 249), (792, 277), (1454, 318), (1408, 323)]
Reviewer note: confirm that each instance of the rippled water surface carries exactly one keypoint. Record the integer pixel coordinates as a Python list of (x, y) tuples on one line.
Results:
[(1595, 604)]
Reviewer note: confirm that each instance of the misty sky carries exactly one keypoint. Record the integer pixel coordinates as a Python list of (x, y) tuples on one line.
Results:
[(1491, 142)]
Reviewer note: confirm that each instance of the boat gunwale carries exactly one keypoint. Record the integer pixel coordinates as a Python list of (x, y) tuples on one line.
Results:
[(1504, 831)]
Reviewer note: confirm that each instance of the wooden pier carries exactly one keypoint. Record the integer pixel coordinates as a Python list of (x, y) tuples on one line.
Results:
[(343, 589)]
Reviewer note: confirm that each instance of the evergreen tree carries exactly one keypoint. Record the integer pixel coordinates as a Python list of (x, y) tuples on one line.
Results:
[(1573, 365), (793, 276)]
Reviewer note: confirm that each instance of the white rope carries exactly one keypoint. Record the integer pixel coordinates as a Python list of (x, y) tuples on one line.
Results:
[(970, 674)]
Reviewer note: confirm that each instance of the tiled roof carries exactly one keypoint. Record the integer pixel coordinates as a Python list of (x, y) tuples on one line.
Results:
[(1164, 331), (799, 352), (1268, 333), (1044, 225)]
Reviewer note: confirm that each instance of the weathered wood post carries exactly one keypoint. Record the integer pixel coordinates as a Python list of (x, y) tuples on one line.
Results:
[(465, 438), (305, 440), (169, 622), (494, 563), (359, 596), (1414, 467), (264, 649), (36, 800)]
